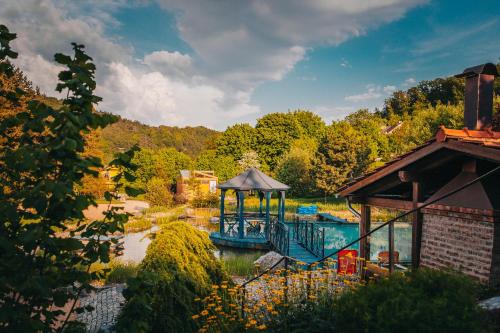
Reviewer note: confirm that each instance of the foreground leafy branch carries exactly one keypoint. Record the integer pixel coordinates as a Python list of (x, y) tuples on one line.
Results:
[(44, 265)]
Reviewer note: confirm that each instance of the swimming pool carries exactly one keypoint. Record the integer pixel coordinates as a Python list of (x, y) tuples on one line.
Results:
[(338, 235)]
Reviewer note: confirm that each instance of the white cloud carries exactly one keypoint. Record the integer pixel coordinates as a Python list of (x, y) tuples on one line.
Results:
[(389, 89), (237, 45), (373, 92), (345, 63), (173, 63), (409, 82), (154, 98)]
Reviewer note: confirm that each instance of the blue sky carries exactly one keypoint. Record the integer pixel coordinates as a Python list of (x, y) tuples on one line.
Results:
[(215, 62)]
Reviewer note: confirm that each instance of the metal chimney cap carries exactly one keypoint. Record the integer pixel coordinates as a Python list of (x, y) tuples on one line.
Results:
[(488, 68)]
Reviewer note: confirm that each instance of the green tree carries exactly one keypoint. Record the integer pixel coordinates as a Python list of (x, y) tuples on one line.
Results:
[(163, 163), (295, 169), (341, 156), (370, 126), (236, 140), (250, 159), (224, 166), (158, 192), (275, 134), (312, 124), (43, 265)]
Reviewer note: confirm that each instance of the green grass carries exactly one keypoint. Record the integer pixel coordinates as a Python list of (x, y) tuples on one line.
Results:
[(240, 265), (121, 272), (138, 224)]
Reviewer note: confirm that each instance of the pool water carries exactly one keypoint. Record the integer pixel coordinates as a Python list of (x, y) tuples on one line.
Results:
[(337, 235)]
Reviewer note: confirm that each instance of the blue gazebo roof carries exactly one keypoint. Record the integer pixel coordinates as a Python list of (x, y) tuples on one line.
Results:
[(253, 179)]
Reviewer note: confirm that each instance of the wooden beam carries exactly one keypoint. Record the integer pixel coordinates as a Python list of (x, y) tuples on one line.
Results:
[(475, 150), (416, 235), (406, 176), (387, 203), (364, 227), (395, 166)]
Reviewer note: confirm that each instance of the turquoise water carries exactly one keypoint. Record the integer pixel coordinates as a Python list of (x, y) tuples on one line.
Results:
[(338, 235)]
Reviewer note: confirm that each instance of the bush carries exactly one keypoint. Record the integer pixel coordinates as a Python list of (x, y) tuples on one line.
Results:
[(138, 224), (179, 266), (158, 193), (421, 301), (209, 200)]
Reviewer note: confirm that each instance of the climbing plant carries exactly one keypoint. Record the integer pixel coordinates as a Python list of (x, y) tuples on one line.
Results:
[(44, 265)]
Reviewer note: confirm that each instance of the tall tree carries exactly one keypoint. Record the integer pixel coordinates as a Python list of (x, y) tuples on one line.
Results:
[(275, 134), (341, 156), (224, 166), (236, 140)]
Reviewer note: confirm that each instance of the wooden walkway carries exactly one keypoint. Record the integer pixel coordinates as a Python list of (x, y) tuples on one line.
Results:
[(299, 253)]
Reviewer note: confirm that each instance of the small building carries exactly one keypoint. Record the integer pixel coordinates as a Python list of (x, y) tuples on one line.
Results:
[(462, 230), (196, 182), (107, 173)]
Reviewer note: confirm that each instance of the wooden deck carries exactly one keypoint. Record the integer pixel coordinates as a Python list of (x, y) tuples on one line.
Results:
[(299, 253)]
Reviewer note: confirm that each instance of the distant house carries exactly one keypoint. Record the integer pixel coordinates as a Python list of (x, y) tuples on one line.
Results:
[(389, 129), (192, 182)]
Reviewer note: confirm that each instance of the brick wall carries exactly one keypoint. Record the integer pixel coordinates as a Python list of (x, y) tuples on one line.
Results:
[(464, 242)]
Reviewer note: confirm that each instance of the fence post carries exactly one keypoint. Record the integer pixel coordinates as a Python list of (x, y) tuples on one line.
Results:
[(391, 247), (243, 299)]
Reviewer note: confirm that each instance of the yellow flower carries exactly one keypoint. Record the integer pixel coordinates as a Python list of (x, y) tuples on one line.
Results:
[(195, 317), (261, 327), (204, 313)]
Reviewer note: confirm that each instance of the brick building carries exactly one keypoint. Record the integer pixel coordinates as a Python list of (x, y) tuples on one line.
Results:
[(461, 231)]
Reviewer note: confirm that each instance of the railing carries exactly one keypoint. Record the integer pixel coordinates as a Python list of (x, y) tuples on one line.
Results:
[(279, 237), (254, 225), (309, 235)]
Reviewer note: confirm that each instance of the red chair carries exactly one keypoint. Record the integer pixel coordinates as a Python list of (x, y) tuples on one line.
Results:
[(347, 262)]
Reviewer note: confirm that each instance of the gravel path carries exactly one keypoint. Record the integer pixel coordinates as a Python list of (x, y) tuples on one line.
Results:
[(107, 302)]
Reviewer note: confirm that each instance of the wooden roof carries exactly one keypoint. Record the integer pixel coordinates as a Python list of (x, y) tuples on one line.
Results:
[(447, 143)]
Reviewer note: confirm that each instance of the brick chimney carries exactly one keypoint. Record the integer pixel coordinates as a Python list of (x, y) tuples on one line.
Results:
[(478, 95)]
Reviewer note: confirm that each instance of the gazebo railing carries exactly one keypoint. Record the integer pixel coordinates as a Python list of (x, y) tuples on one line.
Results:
[(279, 237), (254, 226), (311, 236)]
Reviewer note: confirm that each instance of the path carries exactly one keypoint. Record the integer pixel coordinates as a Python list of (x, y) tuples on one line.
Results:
[(129, 206), (107, 303)]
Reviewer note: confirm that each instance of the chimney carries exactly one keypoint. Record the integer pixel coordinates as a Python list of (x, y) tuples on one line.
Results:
[(478, 95)]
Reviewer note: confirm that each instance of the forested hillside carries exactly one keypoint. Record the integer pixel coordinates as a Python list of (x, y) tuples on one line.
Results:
[(125, 133)]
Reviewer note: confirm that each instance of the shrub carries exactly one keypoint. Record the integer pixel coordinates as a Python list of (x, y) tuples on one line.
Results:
[(209, 200), (158, 193), (421, 301), (179, 266), (138, 224)]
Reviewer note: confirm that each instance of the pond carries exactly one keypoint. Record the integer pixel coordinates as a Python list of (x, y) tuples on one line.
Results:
[(338, 235), (136, 244)]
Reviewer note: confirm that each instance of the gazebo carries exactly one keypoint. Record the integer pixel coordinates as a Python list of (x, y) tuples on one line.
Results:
[(250, 229)]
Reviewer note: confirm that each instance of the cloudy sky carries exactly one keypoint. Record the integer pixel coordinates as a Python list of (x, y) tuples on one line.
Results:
[(219, 62)]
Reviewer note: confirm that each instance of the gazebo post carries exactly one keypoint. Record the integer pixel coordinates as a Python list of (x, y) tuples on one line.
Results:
[(280, 198), (268, 204), (241, 224), (221, 218), (261, 197), (283, 206)]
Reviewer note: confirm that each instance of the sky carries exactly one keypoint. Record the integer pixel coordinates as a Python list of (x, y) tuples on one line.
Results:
[(219, 62)]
